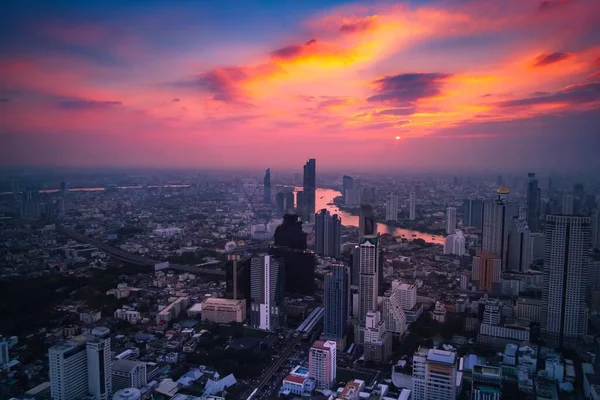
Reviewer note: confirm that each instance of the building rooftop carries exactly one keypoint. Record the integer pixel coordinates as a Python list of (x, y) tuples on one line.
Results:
[(295, 379), (441, 356), (125, 365)]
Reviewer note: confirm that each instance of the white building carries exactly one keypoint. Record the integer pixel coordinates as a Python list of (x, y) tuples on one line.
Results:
[(391, 207), (322, 363), (167, 232), (412, 206), (407, 294), (434, 374), (369, 275), (564, 310), (99, 364), (267, 301), (172, 310), (393, 314), (450, 220), (378, 342), (224, 311), (455, 244), (128, 374), (130, 316)]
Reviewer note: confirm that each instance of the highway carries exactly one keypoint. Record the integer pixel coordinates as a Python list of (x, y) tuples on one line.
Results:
[(134, 258), (256, 393)]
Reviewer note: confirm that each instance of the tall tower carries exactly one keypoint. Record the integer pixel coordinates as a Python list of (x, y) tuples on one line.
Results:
[(519, 253), (366, 222), (310, 189), (473, 213), (497, 215), (337, 302), (450, 220), (328, 234), (596, 230), (534, 202), (99, 362), (487, 272), (434, 374), (393, 314), (347, 184), (68, 370), (564, 312), (369, 276), (267, 186), (412, 205), (322, 363), (266, 288), (391, 207)]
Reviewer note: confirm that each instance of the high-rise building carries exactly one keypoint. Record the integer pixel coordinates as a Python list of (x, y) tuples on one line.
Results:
[(128, 374), (564, 312), (486, 383), (487, 272), (347, 185), (393, 314), (328, 237), (434, 374), (519, 251), (322, 363), (99, 361), (473, 213), (455, 244), (378, 341), (310, 189), (450, 220), (568, 204), (366, 222), (63, 188), (534, 203), (4, 356), (266, 305), (300, 202), (412, 207), (369, 276), (497, 215), (391, 207), (407, 294), (267, 186), (579, 198), (596, 230), (355, 272), (337, 302), (237, 277)]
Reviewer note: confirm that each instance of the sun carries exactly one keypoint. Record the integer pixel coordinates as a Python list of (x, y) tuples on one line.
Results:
[(398, 138)]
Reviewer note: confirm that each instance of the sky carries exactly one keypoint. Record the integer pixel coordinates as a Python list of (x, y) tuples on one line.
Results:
[(447, 85)]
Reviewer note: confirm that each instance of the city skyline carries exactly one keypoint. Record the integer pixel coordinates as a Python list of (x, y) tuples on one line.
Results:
[(469, 84)]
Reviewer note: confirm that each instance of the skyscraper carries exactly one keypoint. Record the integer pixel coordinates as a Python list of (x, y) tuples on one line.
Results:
[(519, 252), (328, 234), (63, 188), (450, 220), (310, 189), (337, 302), (486, 272), (564, 312), (393, 314), (366, 222), (473, 213), (99, 362), (455, 244), (391, 207), (580, 197), (534, 202), (568, 204), (237, 277), (497, 215), (596, 230), (369, 276), (434, 374), (322, 363), (412, 205), (355, 272), (378, 341), (347, 184), (266, 305), (267, 186)]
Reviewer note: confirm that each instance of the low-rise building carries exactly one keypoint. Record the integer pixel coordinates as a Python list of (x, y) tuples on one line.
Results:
[(224, 310)]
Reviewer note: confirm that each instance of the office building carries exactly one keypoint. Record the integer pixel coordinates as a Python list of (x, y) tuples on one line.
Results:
[(310, 190), (393, 314), (267, 186), (328, 239), (369, 276), (455, 244), (579, 198), (529, 309), (473, 213), (224, 311), (377, 340), (564, 312), (284, 202), (322, 363), (596, 230), (412, 207), (450, 220), (266, 288), (391, 207), (99, 363), (520, 246), (237, 277), (31, 205), (347, 185), (534, 203), (366, 222), (407, 294), (300, 203), (486, 383), (63, 188), (497, 215), (434, 374), (487, 272), (355, 271), (568, 204), (4, 356), (337, 302), (128, 374), (68, 370)]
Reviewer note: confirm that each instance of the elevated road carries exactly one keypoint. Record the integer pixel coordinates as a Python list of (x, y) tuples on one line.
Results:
[(135, 259)]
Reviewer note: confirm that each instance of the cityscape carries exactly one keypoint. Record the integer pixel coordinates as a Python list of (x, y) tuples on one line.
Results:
[(324, 200)]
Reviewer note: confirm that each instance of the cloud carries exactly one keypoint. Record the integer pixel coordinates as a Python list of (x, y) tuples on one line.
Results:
[(359, 25), (222, 82), (408, 88), (293, 52), (83, 104), (397, 111), (571, 95), (4, 100), (550, 58), (175, 100)]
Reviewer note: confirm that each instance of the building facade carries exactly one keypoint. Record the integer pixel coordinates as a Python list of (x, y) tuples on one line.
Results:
[(369, 276), (328, 237), (434, 374), (266, 308), (322, 363), (366, 223), (310, 190), (487, 272), (497, 215), (391, 207), (412, 206), (450, 220), (224, 311), (337, 302)]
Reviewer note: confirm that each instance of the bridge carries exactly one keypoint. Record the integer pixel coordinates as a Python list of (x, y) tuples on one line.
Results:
[(135, 259)]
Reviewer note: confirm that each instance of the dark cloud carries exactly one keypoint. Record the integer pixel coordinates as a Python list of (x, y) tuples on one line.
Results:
[(397, 111), (222, 82), (576, 94), (547, 5), (83, 104), (487, 95), (176, 100), (407, 88), (550, 58), (358, 26), (294, 51), (4, 100)]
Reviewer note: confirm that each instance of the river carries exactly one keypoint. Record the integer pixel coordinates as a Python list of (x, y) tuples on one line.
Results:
[(324, 199)]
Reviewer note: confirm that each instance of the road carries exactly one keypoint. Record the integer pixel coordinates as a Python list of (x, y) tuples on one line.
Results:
[(274, 368)]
